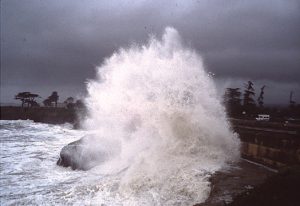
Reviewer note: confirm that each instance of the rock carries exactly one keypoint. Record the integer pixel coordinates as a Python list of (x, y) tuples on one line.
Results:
[(81, 155)]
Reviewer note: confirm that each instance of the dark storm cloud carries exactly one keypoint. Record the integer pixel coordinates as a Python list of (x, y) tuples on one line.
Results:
[(59, 43)]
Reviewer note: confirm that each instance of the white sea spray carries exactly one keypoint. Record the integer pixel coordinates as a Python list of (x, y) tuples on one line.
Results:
[(156, 110)]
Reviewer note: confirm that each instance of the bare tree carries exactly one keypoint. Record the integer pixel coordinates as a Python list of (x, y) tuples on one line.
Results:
[(260, 99), (249, 103), (292, 102)]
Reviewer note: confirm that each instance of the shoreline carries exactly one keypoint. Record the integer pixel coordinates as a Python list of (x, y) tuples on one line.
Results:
[(267, 147), (50, 115)]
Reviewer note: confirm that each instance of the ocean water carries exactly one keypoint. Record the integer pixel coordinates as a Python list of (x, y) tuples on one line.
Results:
[(29, 174), (153, 110)]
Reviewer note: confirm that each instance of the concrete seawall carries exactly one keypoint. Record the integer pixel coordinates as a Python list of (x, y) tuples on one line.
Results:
[(272, 144)]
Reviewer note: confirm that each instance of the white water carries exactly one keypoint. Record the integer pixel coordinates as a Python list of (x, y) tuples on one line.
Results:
[(28, 171), (157, 107), (154, 109)]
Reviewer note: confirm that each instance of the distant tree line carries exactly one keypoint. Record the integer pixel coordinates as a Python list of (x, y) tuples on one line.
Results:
[(29, 100), (245, 105)]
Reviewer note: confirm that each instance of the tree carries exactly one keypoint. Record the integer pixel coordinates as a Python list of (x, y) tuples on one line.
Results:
[(79, 104), (22, 96), (292, 102), (260, 99), (53, 98), (27, 98), (248, 101), (47, 103), (232, 101), (69, 102)]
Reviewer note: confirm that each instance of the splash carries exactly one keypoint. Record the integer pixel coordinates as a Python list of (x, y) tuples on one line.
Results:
[(156, 110)]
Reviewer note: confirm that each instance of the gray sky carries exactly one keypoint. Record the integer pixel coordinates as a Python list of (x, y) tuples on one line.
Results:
[(54, 45)]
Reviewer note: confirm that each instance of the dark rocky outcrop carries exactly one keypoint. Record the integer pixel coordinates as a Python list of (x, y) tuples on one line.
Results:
[(80, 155)]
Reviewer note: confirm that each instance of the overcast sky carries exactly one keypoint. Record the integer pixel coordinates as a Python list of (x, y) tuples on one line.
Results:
[(55, 45)]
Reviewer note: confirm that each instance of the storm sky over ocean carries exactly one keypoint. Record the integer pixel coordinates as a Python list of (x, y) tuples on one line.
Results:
[(55, 45)]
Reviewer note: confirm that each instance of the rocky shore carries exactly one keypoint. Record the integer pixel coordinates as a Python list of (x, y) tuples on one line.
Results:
[(81, 155)]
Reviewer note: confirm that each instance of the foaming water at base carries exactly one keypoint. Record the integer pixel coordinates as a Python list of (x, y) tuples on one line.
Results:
[(156, 111)]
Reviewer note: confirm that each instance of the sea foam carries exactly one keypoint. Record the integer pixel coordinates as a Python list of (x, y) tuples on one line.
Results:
[(154, 109)]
